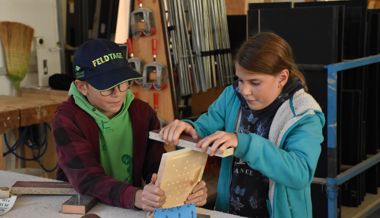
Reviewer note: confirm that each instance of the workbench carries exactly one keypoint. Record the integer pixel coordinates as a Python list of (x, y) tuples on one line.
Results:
[(49, 206), (33, 106)]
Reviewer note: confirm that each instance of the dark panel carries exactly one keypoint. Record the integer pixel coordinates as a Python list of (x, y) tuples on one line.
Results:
[(108, 18), (354, 18), (313, 33), (373, 89), (316, 81), (254, 13), (350, 144), (236, 30)]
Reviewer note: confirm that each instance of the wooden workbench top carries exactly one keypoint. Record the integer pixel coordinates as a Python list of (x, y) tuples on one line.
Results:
[(34, 206), (32, 107)]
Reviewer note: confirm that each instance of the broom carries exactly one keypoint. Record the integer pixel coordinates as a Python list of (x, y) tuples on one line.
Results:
[(16, 39)]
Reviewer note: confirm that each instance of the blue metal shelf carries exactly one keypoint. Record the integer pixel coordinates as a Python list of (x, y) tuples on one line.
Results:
[(333, 180)]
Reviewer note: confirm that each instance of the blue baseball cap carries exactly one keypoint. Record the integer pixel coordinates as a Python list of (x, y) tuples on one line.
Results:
[(101, 63)]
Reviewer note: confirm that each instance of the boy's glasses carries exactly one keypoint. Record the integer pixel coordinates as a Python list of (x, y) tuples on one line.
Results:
[(122, 88)]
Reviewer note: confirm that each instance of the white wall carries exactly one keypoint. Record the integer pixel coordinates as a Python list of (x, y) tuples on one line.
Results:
[(42, 16), (122, 24)]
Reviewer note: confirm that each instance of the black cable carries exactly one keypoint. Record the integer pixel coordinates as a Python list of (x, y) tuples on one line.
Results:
[(27, 137), (20, 141)]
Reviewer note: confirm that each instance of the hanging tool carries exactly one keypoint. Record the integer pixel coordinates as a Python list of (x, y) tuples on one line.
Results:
[(154, 74), (134, 62), (142, 22)]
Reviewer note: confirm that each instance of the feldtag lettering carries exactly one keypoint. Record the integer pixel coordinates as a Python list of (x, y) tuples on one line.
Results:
[(105, 58)]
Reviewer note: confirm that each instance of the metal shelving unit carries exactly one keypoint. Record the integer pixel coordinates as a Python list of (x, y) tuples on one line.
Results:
[(334, 180)]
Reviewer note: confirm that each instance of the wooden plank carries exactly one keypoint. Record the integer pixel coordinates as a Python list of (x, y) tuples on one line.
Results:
[(178, 174), (187, 141), (42, 188)]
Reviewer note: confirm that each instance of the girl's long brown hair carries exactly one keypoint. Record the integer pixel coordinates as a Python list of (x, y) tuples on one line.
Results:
[(268, 53)]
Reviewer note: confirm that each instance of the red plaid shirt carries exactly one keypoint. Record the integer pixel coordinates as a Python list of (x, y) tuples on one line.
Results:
[(77, 138)]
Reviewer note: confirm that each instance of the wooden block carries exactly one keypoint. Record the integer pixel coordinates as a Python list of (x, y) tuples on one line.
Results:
[(42, 188), (4, 192), (78, 204), (179, 172), (187, 141)]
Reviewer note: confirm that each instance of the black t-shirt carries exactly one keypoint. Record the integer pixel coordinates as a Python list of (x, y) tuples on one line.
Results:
[(249, 188)]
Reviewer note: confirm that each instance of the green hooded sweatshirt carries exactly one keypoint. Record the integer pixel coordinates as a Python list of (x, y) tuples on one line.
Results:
[(115, 136)]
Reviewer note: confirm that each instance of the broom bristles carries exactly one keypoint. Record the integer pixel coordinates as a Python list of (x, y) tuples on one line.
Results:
[(16, 39)]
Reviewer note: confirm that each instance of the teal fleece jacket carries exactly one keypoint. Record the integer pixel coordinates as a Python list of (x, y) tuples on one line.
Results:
[(288, 158)]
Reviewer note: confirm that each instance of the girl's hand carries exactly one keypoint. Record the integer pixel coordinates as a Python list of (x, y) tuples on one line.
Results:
[(171, 132), (219, 141)]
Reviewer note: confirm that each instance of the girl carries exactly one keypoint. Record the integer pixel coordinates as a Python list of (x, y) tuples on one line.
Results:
[(275, 127)]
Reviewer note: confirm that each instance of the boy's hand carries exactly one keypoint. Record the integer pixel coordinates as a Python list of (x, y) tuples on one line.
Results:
[(199, 194), (151, 196)]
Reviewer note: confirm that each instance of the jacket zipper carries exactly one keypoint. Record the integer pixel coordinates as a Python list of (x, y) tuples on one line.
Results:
[(289, 204)]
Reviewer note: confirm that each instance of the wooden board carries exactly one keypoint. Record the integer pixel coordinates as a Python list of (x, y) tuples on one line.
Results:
[(42, 188), (187, 141), (178, 174)]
